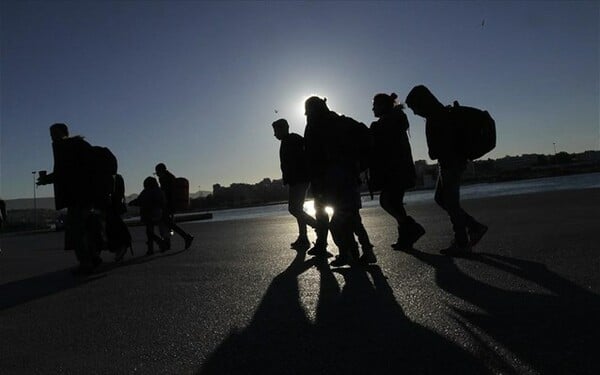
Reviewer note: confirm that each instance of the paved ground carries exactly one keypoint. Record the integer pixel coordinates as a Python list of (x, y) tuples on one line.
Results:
[(241, 302)]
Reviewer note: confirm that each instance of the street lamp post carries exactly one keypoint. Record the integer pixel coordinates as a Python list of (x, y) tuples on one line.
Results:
[(34, 202)]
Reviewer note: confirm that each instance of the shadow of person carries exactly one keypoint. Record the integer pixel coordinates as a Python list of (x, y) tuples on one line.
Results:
[(358, 329), (553, 329), (17, 292), (22, 291)]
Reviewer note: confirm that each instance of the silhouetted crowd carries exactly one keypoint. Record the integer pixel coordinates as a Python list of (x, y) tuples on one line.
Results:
[(337, 153), (332, 159), (87, 184)]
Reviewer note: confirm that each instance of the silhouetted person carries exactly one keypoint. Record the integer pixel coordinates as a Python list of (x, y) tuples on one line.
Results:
[(335, 175), (152, 204), (392, 170), (295, 175), (316, 159), (442, 141), (167, 184), (72, 179)]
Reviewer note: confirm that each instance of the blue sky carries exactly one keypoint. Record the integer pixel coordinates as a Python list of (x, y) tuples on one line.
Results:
[(195, 84)]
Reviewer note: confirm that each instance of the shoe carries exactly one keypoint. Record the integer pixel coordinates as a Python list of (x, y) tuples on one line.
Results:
[(457, 250), (188, 241), (368, 258), (408, 235), (302, 243), (120, 253), (475, 234)]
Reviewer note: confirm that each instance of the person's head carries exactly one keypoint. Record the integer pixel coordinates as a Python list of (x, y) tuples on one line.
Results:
[(383, 103), (281, 128), (58, 131), (315, 107), (160, 169), (422, 102), (150, 182)]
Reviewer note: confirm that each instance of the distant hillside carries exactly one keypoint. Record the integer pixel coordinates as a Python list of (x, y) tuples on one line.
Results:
[(27, 203)]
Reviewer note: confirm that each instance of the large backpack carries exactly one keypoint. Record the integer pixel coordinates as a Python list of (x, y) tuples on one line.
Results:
[(476, 130), (358, 141), (104, 167), (118, 195), (104, 161), (180, 194)]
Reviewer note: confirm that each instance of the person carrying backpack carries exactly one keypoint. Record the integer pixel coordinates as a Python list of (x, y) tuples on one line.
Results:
[(167, 184), (334, 160), (73, 181), (443, 132), (391, 166)]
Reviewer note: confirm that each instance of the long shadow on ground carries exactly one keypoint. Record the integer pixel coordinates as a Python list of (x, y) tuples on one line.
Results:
[(22, 291), (359, 329), (554, 332)]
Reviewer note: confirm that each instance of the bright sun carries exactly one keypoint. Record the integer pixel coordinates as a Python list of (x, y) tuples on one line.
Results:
[(309, 207)]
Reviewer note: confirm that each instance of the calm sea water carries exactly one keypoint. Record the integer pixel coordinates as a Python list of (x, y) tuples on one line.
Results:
[(580, 181)]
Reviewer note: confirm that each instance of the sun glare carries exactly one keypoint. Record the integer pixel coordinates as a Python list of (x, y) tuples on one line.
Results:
[(309, 208)]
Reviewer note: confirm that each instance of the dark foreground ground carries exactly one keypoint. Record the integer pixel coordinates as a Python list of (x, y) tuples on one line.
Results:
[(241, 302)]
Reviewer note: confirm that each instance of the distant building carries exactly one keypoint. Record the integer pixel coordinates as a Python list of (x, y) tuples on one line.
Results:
[(509, 163)]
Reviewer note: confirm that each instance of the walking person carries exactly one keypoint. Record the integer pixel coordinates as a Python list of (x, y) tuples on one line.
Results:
[(167, 184), (72, 179), (295, 175), (391, 167), (152, 204), (443, 144), (331, 148)]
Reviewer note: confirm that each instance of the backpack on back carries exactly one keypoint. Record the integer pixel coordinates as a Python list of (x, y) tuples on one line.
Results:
[(476, 129), (105, 162), (358, 141), (118, 195), (104, 167), (181, 194)]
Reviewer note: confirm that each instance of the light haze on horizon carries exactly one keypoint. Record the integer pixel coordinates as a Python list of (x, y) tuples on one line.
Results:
[(196, 84)]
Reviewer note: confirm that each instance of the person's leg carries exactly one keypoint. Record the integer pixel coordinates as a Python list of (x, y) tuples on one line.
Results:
[(342, 231), (450, 198), (150, 238), (77, 221), (391, 200), (296, 197), (322, 220), (368, 256), (361, 232), (170, 222)]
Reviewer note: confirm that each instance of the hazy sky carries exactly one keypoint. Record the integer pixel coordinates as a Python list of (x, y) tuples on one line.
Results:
[(195, 84)]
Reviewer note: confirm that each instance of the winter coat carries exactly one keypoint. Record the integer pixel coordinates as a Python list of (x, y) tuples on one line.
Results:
[(293, 159), (391, 162), (152, 204), (442, 139), (332, 165), (72, 174), (167, 184)]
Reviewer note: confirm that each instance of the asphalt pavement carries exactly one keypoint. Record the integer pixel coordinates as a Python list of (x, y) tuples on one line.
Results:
[(240, 301)]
